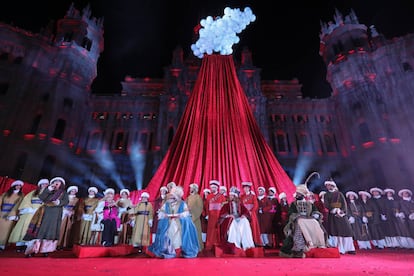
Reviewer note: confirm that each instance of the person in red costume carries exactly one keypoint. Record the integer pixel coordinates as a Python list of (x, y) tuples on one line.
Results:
[(215, 201), (282, 218), (250, 201), (234, 226)]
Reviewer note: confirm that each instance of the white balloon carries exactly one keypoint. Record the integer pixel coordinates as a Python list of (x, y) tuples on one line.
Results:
[(220, 33)]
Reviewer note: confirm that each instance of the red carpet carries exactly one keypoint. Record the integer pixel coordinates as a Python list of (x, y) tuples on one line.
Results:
[(372, 262)]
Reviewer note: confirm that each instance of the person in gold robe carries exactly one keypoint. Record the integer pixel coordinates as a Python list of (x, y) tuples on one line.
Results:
[(68, 218), (29, 205), (87, 206), (142, 217), (195, 205), (9, 204)]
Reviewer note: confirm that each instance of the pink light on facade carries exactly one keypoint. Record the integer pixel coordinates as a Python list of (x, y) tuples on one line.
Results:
[(368, 144), (175, 72), (372, 76), (28, 137), (249, 72), (347, 83), (395, 140), (56, 141), (6, 132), (52, 72)]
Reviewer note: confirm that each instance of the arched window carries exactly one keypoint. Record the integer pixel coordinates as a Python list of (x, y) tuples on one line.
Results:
[(18, 60), (94, 141), (151, 137), (357, 109), (170, 135), (364, 132), (144, 140), (4, 86), (304, 143), (281, 142), (35, 124), (45, 97), (87, 43), (67, 104), (404, 171), (4, 56), (19, 167), (377, 171), (407, 67), (329, 143), (119, 141), (48, 166), (60, 129), (68, 37)]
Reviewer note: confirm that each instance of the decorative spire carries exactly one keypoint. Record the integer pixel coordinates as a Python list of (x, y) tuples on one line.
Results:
[(374, 32), (328, 28)]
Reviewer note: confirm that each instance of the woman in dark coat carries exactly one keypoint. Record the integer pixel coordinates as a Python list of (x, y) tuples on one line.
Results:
[(44, 228)]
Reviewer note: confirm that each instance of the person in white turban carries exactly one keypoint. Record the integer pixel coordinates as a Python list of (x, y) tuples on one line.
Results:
[(9, 204), (303, 230), (176, 233)]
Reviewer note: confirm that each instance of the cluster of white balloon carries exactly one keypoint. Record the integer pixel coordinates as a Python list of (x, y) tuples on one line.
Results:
[(219, 34)]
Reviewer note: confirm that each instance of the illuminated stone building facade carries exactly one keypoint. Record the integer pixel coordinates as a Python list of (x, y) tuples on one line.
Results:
[(52, 124)]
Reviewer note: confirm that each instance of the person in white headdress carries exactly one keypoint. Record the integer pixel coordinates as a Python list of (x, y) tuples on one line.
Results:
[(124, 204), (204, 221), (234, 225), (392, 236), (29, 205), (223, 190), (69, 216), (372, 219), (44, 228), (142, 216), (407, 209), (355, 214), (9, 204), (158, 202), (339, 229), (303, 230), (379, 201), (282, 218), (87, 208), (273, 212), (265, 217), (171, 185), (249, 200), (109, 209), (195, 205), (214, 202), (176, 233)]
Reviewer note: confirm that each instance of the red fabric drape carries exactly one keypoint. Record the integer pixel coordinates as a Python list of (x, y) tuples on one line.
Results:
[(218, 137)]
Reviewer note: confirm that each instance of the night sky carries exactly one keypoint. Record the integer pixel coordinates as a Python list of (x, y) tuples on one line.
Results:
[(140, 35)]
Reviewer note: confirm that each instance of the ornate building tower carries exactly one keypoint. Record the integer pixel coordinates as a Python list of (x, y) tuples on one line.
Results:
[(373, 85), (45, 81)]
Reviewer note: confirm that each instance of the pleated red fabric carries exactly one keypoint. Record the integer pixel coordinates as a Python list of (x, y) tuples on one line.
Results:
[(218, 138)]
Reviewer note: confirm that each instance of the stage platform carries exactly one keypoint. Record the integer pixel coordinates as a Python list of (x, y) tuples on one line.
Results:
[(83, 251)]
